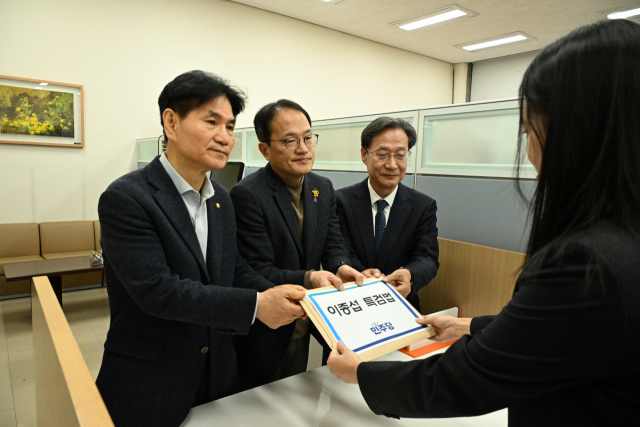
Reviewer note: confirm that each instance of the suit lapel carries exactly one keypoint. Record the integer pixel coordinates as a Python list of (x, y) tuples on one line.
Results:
[(398, 216), (171, 203), (214, 240), (361, 205), (283, 201), (310, 215)]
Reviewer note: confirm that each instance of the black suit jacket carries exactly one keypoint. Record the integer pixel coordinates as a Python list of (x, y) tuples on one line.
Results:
[(166, 302), (410, 239), (269, 239), (560, 353)]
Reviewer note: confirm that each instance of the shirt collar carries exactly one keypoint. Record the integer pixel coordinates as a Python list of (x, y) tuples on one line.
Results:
[(375, 197), (182, 185)]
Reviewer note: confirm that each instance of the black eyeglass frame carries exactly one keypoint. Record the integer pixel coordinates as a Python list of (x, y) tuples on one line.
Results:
[(315, 138)]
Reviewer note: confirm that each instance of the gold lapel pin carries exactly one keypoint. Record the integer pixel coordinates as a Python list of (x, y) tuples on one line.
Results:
[(316, 193), (217, 205)]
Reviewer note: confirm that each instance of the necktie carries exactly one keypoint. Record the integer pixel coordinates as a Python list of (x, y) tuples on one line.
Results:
[(381, 223)]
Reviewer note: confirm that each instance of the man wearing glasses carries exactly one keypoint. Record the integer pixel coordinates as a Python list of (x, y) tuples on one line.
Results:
[(287, 227), (390, 229)]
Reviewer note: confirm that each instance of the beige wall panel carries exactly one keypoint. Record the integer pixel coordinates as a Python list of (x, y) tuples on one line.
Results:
[(477, 279), (120, 52), (499, 77), (59, 194), (15, 195)]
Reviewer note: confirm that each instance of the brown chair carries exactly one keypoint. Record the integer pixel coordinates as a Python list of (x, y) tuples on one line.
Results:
[(18, 242), (67, 239), (96, 234)]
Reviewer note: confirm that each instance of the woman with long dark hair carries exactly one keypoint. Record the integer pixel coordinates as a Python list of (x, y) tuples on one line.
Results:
[(566, 349)]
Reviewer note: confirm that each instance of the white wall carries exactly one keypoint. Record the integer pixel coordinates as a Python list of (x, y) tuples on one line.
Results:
[(124, 52), (499, 78)]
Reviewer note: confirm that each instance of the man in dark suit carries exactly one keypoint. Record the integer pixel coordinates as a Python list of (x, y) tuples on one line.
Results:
[(178, 288), (287, 229), (390, 229)]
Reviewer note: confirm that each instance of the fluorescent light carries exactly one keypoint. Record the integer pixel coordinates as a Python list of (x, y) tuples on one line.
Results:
[(38, 87), (434, 19), (493, 43), (625, 14), (43, 84)]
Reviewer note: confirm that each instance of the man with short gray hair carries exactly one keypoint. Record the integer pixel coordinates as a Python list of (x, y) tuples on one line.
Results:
[(390, 228)]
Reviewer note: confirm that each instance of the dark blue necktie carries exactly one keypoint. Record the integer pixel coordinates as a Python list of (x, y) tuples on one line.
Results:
[(381, 223)]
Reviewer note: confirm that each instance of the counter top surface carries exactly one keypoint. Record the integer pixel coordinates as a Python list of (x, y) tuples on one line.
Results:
[(315, 399)]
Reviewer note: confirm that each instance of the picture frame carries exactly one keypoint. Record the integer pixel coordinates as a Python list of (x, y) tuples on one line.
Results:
[(41, 112)]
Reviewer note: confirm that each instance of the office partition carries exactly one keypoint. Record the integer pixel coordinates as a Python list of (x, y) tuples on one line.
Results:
[(473, 139), (464, 158)]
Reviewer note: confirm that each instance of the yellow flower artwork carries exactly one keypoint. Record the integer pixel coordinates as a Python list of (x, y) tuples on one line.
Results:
[(36, 112)]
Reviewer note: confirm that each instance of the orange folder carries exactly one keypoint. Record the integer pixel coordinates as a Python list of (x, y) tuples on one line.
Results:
[(426, 349)]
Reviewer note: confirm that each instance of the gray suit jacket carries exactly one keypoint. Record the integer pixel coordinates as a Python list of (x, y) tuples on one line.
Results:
[(268, 238), (168, 303)]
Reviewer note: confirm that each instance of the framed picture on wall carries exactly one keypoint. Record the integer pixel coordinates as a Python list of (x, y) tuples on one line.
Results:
[(41, 112)]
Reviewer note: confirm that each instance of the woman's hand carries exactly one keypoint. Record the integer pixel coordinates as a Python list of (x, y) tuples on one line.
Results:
[(447, 328), (344, 364)]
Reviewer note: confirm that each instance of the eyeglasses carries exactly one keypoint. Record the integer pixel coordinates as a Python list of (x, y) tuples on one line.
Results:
[(384, 155), (294, 142)]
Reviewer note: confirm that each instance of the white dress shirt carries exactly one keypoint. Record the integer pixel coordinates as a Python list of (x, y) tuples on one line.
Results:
[(374, 208), (194, 201), (197, 207)]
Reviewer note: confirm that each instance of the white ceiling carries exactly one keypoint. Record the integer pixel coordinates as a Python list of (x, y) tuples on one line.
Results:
[(545, 20)]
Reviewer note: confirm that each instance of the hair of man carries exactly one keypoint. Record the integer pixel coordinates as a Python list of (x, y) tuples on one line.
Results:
[(383, 123), (264, 117), (586, 88), (192, 89)]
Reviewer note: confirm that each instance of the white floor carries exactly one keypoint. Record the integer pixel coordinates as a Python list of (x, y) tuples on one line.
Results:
[(87, 312), (88, 315)]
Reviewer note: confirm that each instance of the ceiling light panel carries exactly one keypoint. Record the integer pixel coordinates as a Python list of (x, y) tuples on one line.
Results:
[(432, 18), (495, 41), (625, 14)]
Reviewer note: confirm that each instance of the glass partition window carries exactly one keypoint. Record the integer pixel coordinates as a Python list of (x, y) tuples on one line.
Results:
[(238, 148), (338, 143), (474, 139), (147, 149), (477, 142), (254, 156)]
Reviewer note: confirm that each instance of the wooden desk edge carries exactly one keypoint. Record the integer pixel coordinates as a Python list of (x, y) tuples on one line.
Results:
[(87, 402)]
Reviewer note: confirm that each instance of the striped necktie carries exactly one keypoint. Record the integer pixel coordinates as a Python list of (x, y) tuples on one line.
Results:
[(381, 223)]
